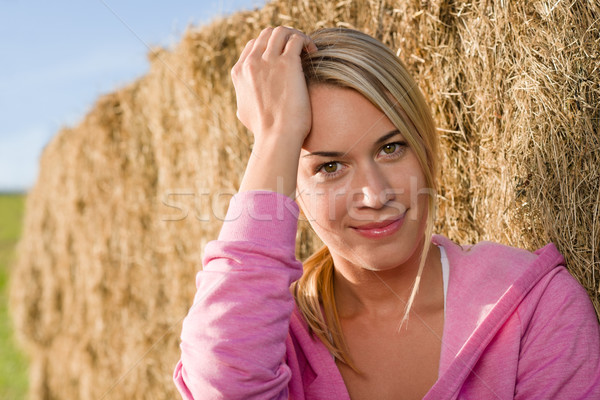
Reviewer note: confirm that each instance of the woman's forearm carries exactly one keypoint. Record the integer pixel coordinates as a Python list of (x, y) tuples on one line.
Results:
[(273, 166)]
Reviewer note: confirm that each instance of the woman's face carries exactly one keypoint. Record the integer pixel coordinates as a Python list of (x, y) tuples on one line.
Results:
[(359, 184)]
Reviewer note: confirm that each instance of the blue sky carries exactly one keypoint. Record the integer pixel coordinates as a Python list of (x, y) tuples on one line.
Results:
[(58, 57)]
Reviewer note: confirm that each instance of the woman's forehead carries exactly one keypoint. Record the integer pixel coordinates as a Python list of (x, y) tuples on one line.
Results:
[(343, 119)]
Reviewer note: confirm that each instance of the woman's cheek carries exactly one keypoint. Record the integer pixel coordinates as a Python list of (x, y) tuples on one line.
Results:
[(310, 197), (328, 205), (324, 204), (337, 202)]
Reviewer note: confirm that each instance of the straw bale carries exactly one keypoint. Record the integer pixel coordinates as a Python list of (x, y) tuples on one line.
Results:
[(127, 199)]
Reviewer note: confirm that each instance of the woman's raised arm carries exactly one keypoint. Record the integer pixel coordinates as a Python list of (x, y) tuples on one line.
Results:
[(233, 341), (273, 103)]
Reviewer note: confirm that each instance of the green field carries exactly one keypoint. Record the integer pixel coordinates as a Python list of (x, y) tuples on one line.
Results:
[(13, 364)]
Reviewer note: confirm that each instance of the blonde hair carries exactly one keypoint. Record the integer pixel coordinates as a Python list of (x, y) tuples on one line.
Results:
[(351, 59)]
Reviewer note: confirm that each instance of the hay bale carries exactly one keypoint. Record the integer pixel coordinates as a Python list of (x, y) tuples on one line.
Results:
[(125, 201)]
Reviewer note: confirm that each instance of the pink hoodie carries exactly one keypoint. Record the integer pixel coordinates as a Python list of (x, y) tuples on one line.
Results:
[(517, 325)]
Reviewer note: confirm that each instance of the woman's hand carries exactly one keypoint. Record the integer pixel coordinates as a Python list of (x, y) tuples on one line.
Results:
[(272, 97), (273, 103)]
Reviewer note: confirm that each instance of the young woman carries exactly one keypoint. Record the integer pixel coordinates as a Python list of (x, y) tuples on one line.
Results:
[(385, 310)]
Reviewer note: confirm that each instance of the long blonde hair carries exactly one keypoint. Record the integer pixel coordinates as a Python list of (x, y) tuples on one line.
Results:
[(351, 59)]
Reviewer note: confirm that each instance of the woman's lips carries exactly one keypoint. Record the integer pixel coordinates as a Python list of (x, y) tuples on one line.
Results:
[(381, 229)]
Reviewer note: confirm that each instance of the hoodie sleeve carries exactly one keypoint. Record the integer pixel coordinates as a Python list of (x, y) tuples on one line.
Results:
[(560, 346), (233, 338)]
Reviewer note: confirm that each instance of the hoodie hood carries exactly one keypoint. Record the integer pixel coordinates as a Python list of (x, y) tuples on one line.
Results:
[(487, 282)]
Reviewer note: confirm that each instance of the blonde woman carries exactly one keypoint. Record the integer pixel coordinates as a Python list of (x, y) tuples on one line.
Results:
[(385, 310)]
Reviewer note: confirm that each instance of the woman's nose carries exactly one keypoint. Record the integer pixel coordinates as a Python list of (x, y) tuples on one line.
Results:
[(373, 188)]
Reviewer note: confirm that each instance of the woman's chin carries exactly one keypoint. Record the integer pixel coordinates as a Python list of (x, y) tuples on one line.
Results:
[(371, 261)]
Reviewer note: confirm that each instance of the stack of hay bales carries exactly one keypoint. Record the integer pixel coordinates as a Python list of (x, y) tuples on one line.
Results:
[(126, 200)]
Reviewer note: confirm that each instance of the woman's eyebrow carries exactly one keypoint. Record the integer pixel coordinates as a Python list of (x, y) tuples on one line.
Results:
[(387, 136), (330, 154), (338, 154)]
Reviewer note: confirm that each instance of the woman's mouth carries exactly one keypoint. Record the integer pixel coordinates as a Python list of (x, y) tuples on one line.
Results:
[(381, 229)]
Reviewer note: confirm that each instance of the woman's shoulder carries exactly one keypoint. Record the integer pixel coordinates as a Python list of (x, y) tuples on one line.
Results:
[(489, 257), (488, 270), (525, 298), (492, 251)]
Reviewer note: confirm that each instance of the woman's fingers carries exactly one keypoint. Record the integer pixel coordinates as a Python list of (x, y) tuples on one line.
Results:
[(270, 87), (298, 41), (261, 42), (273, 42), (249, 46), (279, 42)]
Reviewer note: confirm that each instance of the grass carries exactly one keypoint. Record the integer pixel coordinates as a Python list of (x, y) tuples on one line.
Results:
[(13, 364)]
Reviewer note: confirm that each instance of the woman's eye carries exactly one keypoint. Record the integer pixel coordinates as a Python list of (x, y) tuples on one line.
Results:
[(330, 167), (389, 148), (392, 149)]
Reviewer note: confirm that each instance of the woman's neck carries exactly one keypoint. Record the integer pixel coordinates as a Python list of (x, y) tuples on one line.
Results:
[(363, 292)]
